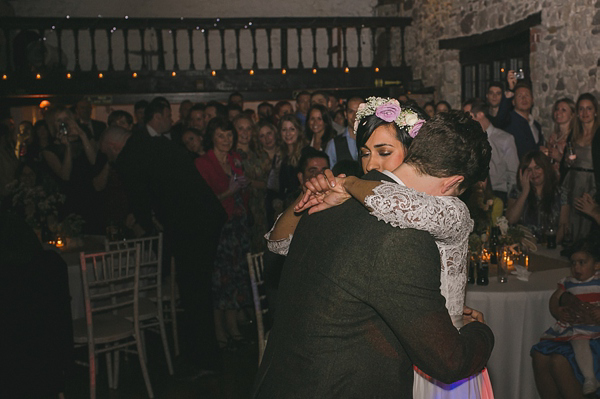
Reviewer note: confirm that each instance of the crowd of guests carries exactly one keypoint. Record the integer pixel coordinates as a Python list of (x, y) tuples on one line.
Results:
[(255, 163)]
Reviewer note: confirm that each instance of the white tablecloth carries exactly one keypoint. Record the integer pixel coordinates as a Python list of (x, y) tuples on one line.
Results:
[(518, 313)]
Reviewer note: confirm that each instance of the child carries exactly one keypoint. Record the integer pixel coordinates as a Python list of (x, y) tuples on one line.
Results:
[(582, 291)]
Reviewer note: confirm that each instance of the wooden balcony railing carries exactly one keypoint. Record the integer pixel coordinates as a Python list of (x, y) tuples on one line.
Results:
[(133, 55)]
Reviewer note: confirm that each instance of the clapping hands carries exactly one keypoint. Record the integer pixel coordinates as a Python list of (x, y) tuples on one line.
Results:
[(323, 192)]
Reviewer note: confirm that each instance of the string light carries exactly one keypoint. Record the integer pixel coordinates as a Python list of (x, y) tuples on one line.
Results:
[(283, 71), (68, 75), (134, 75), (251, 72), (4, 77), (214, 73), (376, 69), (38, 76), (314, 71), (173, 73), (346, 69), (100, 75)]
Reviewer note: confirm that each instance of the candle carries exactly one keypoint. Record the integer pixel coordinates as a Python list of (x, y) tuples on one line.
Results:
[(59, 243), (527, 262)]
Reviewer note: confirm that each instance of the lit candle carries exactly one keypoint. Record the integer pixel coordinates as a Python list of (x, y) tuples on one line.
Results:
[(59, 243), (527, 262)]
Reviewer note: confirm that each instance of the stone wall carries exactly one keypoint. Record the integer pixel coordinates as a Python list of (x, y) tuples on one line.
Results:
[(564, 48)]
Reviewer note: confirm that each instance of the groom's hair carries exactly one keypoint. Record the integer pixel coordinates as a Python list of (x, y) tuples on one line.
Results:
[(451, 143)]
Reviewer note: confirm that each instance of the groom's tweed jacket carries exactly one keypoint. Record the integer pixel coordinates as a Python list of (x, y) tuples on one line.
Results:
[(359, 303)]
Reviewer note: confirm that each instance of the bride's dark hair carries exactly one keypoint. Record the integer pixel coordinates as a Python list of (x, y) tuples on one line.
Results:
[(368, 124)]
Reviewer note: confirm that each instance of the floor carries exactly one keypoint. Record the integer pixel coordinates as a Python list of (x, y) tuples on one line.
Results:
[(235, 382)]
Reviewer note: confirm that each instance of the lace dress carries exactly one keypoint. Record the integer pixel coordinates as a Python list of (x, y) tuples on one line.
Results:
[(447, 220)]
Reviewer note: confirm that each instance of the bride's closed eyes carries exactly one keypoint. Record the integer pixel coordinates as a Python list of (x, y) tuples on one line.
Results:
[(382, 151)]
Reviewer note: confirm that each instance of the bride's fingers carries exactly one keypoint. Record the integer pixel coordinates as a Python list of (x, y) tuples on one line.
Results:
[(312, 185), (329, 176), (323, 182), (309, 204)]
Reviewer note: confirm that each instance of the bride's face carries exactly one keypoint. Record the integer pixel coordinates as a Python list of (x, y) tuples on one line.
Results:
[(383, 150)]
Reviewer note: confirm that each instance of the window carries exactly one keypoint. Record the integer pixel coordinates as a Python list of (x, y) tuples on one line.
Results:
[(484, 64)]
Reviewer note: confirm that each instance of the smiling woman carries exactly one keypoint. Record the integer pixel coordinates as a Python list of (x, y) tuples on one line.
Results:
[(538, 201)]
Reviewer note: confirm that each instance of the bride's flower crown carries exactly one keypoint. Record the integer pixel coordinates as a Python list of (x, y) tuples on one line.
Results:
[(389, 110)]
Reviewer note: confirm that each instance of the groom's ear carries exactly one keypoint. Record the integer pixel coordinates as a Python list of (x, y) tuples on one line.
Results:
[(451, 185)]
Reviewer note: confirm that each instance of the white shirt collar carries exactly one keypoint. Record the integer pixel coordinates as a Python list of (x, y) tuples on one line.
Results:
[(151, 131), (393, 177)]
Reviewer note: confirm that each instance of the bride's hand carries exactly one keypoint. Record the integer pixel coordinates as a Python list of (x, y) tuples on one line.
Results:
[(470, 315), (322, 192)]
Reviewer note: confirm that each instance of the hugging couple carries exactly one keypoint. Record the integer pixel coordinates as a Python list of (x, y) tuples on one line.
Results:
[(371, 297)]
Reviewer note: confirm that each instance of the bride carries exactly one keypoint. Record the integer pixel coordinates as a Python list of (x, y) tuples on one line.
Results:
[(384, 133)]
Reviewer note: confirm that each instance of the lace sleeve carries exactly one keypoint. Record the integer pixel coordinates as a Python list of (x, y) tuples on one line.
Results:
[(445, 218), (279, 247)]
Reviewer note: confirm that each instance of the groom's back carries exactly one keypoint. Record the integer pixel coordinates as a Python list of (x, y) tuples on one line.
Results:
[(332, 336)]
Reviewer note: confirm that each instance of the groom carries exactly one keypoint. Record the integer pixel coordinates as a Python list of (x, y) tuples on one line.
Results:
[(359, 300)]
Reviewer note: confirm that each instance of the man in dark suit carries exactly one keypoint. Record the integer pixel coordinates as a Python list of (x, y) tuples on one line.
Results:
[(160, 177), (94, 128), (514, 116), (359, 301)]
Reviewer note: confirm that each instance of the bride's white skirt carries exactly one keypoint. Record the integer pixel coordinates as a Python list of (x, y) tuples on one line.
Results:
[(477, 386)]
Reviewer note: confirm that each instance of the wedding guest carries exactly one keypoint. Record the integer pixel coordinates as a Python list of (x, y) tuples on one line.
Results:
[(40, 139), (537, 201), (222, 169), (494, 97), (71, 159), (563, 115), (255, 164), (319, 97), (282, 108), (429, 108), (139, 110), (265, 111), (442, 106), (177, 128), (518, 120), (122, 119), (271, 143), (214, 109), (8, 157), (157, 117), (504, 162), (233, 110), (236, 98), (293, 141), (580, 178), (160, 180), (563, 360), (302, 106), (196, 118), (319, 129), (83, 111), (192, 140), (343, 146)]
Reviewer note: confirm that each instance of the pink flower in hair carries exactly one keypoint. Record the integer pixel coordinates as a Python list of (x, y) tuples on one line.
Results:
[(416, 127), (388, 112)]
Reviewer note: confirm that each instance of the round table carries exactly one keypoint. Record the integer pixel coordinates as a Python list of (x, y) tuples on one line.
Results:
[(518, 313)]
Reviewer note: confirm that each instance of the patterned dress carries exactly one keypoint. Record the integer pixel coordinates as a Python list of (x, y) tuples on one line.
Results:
[(579, 180), (231, 281)]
